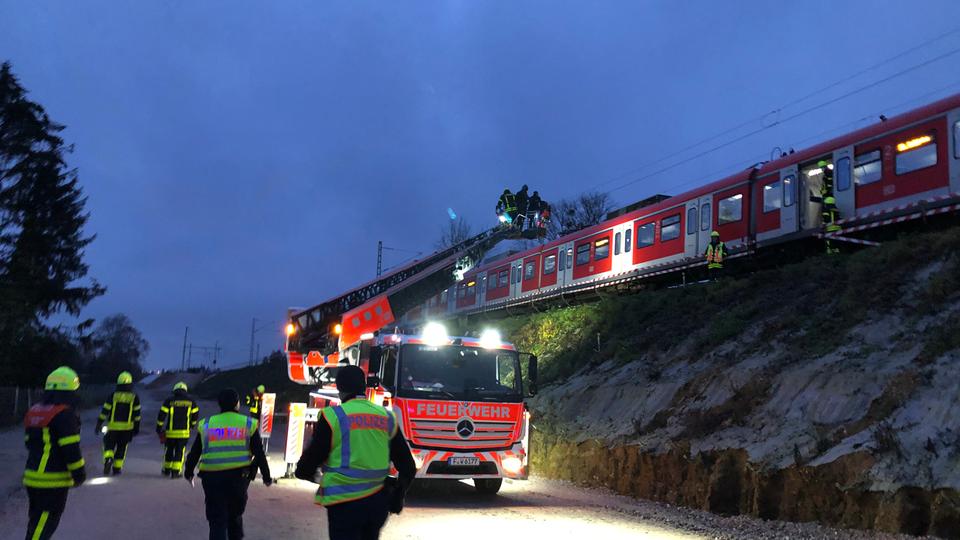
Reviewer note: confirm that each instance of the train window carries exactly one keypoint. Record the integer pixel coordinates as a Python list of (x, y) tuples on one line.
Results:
[(956, 139), (645, 235), (867, 168), (461, 291), (616, 244), (569, 258), (583, 254), (443, 297), (789, 191), (915, 154), (772, 197), (705, 217), (670, 228), (563, 259), (627, 240), (730, 210), (550, 264), (504, 278), (601, 249), (842, 170), (472, 288), (516, 274), (528, 270), (692, 218)]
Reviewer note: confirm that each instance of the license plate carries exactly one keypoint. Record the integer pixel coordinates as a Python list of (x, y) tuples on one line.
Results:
[(463, 461)]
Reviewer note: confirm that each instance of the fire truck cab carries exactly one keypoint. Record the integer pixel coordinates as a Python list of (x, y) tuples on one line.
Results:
[(459, 401)]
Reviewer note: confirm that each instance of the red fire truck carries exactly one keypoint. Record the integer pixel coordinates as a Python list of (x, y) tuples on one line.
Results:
[(458, 400)]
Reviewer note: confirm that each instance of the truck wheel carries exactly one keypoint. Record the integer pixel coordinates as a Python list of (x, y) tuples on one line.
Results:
[(488, 486)]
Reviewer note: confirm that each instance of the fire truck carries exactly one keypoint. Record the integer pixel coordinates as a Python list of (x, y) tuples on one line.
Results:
[(459, 400)]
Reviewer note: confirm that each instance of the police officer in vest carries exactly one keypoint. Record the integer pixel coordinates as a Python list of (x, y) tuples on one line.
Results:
[(716, 252), (178, 415), (121, 412), (54, 463), (229, 451), (355, 443)]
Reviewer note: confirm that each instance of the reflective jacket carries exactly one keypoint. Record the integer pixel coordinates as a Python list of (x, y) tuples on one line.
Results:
[(359, 458), (226, 441), (178, 415), (507, 204), (121, 412), (715, 255), (253, 402), (53, 447)]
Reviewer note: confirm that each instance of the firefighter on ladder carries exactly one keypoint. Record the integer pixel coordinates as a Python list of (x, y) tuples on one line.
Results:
[(121, 413), (715, 254), (178, 415), (54, 463), (830, 217), (507, 207)]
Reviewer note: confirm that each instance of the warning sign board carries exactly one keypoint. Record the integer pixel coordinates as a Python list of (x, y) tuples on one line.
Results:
[(295, 426), (266, 415)]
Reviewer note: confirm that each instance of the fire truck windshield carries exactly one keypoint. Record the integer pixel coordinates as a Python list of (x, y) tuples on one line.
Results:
[(459, 373)]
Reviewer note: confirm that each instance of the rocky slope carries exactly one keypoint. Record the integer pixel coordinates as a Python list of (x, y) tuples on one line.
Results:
[(826, 391)]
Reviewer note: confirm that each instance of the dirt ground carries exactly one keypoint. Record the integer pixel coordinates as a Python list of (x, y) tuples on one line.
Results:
[(146, 506)]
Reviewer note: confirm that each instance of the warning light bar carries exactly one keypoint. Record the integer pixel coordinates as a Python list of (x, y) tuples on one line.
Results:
[(914, 143)]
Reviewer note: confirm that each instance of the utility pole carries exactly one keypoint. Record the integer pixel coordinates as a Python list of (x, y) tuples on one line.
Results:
[(379, 258), (183, 356), (216, 352), (258, 352), (253, 329), (189, 355)]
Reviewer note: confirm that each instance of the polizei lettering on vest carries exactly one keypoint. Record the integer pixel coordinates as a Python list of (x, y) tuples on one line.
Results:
[(227, 434), (463, 409)]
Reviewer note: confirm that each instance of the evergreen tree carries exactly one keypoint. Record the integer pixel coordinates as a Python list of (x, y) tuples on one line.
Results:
[(41, 231)]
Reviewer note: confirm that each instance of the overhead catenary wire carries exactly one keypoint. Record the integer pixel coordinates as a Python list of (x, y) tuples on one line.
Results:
[(793, 102)]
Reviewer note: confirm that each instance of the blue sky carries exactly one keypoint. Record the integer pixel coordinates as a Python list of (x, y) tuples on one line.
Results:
[(242, 157)]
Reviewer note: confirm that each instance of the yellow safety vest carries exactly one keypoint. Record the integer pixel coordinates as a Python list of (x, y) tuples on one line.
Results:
[(226, 441), (715, 256)]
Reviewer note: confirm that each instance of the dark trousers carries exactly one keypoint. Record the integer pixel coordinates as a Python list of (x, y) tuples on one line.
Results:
[(173, 455), (358, 520), (46, 507), (715, 273), (115, 447), (225, 495)]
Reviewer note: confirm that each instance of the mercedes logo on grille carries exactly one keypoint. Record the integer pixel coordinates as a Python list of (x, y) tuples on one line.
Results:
[(465, 428)]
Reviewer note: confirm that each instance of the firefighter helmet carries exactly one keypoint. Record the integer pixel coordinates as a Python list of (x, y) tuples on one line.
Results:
[(261, 389), (62, 378), (125, 378), (822, 163), (829, 200), (715, 234), (180, 386)]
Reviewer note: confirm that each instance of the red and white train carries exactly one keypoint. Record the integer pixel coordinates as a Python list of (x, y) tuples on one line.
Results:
[(899, 168)]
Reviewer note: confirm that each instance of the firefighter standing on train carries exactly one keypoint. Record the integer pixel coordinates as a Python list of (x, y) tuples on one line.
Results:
[(354, 443), (178, 415), (54, 463), (121, 414), (229, 452), (715, 254)]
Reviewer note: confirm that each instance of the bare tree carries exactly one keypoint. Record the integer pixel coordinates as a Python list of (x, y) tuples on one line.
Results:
[(569, 215), (456, 231)]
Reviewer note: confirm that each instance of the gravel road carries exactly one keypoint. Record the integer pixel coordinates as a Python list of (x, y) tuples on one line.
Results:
[(146, 506)]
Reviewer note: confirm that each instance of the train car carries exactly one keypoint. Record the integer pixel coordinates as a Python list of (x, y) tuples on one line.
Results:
[(893, 166)]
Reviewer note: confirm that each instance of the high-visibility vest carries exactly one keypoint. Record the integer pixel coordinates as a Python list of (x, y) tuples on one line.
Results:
[(123, 410), (178, 415), (253, 402), (226, 441), (359, 459), (715, 256), (52, 457), (508, 202)]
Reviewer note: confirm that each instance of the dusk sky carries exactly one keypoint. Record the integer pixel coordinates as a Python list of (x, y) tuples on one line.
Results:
[(244, 157)]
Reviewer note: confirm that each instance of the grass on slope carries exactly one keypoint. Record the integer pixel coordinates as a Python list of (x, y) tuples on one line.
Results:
[(815, 301)]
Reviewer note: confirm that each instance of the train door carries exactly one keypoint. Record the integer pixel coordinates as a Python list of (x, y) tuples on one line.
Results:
[(516, 275), (788, 202), (843, 190), (691, 247), (706, 223), (481, 289), (953, 138), (564, 264)]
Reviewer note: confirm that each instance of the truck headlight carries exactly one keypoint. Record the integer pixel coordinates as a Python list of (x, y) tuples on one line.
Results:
[(512, 465)]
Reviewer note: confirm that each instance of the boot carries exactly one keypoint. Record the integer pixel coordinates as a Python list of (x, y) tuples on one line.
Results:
[(116, 471), (107, 466)]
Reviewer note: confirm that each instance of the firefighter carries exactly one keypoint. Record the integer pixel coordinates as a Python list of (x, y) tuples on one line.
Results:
[(523, 205), (716, 252), (121, 412), (826, 181), (355, 443), (830, 215), (54, 462), (507, 207), (229, 451), (178, 415), (254, 399), (534, 207)]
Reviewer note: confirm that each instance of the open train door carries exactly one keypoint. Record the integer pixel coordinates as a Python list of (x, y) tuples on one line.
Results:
[(843, 190)]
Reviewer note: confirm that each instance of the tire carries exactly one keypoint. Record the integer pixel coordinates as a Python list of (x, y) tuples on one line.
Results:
[(488, 486)]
